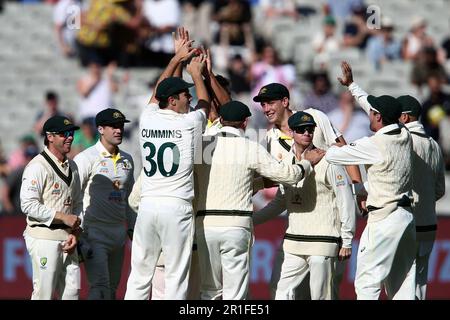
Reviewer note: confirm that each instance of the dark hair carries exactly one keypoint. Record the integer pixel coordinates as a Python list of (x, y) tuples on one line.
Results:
[(51, 95), (387, 121), (46, 142), (163, 103)]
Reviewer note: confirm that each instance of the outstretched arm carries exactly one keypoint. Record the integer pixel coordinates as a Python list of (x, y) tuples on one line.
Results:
[(347, 80), (219, 94), (195, 69), (184, 51)]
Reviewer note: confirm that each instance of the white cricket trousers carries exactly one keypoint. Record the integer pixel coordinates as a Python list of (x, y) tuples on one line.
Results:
[(386, 256), (53, 270), (291, 270), (162, 224), (194, 279), (224, 260), (104, 268)]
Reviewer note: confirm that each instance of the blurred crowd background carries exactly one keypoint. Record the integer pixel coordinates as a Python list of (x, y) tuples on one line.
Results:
[(76, 58)]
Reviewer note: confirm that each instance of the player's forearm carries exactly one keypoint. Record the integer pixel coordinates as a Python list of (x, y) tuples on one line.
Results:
[(219, 91), (360, 95)]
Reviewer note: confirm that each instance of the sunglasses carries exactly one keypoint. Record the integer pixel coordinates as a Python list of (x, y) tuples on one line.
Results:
[(65, 134), (302, 130)]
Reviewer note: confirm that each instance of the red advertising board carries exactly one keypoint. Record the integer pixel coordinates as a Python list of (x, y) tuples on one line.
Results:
[(15, 267)]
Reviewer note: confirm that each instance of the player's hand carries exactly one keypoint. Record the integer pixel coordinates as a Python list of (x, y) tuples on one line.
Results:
[(196, 65), (347, 75), (72, 221), (344, 253), (361, 200), (314, 156), (184, 49), (70, 244), (179, 37)]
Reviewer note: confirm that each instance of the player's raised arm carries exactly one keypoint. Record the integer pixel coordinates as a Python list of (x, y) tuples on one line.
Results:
[(347, 80), (183, 51), (195, 69)]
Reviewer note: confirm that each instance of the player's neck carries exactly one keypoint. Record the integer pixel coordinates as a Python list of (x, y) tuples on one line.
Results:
[(283, 125), (112, 149)]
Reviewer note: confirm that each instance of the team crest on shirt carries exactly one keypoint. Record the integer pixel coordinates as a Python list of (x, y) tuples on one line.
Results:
[(56, 189), (340, 181), (43, 262), (103, 170), (32, 187)]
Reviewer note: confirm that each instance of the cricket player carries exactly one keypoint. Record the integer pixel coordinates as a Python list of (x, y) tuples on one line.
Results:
[(428, 177), (224, 208), (387, 247), (274, 99), (50, 197), (321, 224), (168, 134), (106, 176), (428, 187)]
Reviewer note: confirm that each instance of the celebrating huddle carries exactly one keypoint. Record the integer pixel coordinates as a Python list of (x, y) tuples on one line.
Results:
[(190, 213)]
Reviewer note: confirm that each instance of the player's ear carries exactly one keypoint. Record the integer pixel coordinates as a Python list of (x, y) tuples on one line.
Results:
[(100, 129)]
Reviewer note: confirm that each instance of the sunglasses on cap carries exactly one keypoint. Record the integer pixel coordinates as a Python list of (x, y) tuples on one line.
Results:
[(301, 130), (65, 134)]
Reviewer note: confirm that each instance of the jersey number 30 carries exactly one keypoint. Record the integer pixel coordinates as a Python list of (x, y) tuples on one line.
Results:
[(159, 164)]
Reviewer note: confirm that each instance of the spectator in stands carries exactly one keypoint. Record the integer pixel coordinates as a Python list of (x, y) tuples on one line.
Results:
[(416, 39), (196, 15), (84, 138), (383, 46), (163, 17), (233, 16), (426, 64), (321, 97), (446, 47), (341, 9), (435, 108), (51, 109), (238, 72), (65, 16), (4, 169), (272, 11), (17, 158), (356, 32), (325, 43), (10, 192), (352, 122), (94, 40), (96, 90)]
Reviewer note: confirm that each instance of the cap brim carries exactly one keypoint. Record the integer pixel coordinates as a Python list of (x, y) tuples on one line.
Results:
[(113, 122), (71, 128), (266, 98), (306, 124)]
